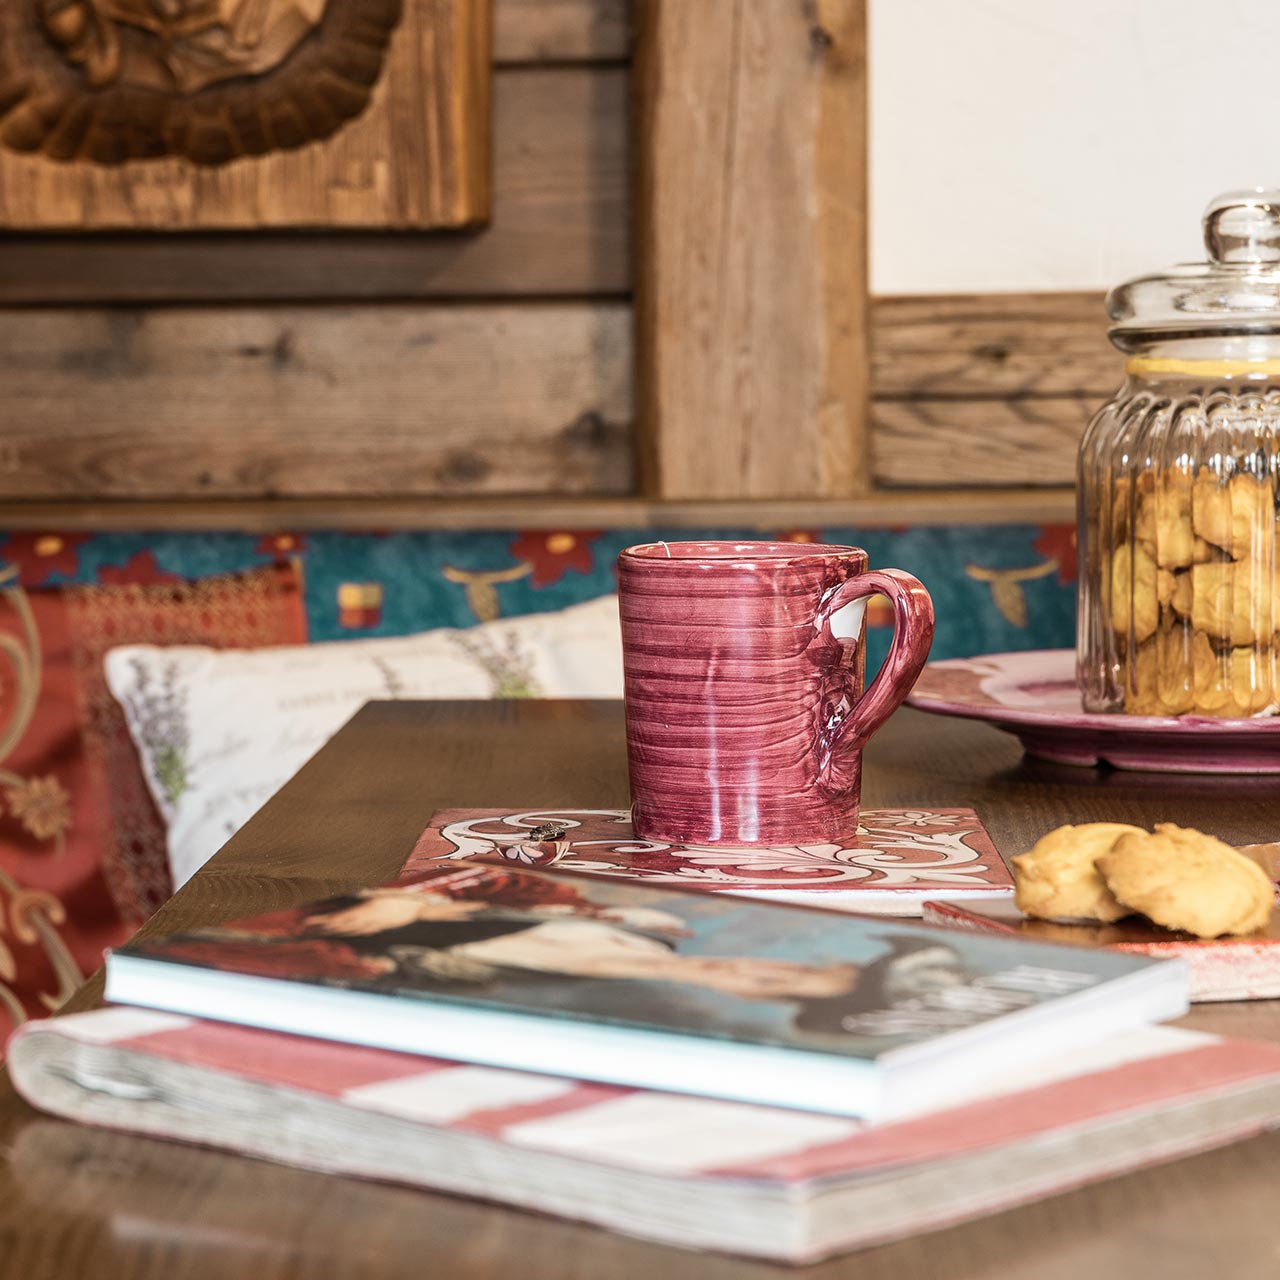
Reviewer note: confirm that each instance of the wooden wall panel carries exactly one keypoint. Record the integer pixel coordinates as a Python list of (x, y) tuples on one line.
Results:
[(751, 284), (561, 226), (755, 407), (988, 390), (954, 443), (212, 417), (560, 31), (308, 401), (999, 344)]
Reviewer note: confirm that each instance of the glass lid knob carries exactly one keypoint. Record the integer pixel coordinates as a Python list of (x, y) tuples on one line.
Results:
[(1243, 227)]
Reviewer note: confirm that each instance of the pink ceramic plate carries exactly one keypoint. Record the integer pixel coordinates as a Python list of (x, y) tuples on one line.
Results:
[(1034, 695)]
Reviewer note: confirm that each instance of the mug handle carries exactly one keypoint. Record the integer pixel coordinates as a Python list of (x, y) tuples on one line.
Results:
[(912, 636)]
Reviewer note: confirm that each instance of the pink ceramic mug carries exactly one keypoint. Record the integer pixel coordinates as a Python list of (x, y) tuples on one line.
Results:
[(744, 664)]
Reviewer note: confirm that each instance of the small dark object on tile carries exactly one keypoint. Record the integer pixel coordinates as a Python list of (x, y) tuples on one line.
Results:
[(546, 831)]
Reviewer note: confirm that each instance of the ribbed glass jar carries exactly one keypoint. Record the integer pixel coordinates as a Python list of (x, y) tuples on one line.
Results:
[(1179, 600), (1179, 484)]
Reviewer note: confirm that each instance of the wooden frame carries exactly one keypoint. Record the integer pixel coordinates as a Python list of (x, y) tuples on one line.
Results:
[(346, 113), (769, 391)]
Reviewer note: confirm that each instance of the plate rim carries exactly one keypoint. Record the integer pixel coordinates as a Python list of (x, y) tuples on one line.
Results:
[(1091, 721)]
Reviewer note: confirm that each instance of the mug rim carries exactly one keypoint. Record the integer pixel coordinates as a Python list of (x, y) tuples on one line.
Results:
[(744, 553)]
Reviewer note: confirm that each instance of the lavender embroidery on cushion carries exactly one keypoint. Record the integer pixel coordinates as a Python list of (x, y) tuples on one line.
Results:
[(160, 714), (509, 670), (394, 686)]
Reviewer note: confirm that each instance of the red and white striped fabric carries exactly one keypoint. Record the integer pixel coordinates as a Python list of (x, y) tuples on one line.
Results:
[(680, 1136)]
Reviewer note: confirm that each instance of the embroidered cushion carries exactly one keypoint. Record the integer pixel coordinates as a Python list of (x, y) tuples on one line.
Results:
[(82, 850), (219, 733)]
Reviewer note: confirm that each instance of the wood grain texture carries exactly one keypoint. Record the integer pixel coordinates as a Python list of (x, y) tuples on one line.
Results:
[(560, 226), (987, 390), (560, 30), (751, 270), (416, 156), (949, 443), (309, 401), (988, 345), (899, 507), (77, 1202)]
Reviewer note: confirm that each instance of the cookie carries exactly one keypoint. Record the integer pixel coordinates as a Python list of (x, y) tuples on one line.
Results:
[(1163, 522), (1134, 583), (1233, 514), (1233, 683), (1183, 879), (1231, 602), (1158, 683), (1057, 879)]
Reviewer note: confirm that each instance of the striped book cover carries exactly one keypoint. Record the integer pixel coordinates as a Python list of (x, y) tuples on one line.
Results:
[(790, 1185)]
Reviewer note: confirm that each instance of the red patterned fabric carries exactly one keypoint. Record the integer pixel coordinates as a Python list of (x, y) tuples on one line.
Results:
[(82, 848), (1058, 542), (297, 959), (551, 555)]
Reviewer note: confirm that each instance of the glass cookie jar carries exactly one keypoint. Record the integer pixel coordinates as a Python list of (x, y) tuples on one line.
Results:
[(1178, 481)]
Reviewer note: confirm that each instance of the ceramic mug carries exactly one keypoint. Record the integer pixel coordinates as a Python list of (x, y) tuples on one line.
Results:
[(744, 663)]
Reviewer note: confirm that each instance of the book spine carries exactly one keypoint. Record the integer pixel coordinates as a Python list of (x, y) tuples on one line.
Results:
[(950, 917)]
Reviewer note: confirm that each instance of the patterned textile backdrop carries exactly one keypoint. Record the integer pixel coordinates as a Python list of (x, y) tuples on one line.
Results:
[(995, 587)]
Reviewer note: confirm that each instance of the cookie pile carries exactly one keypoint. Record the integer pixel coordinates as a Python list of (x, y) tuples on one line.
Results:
[(1177, 877), (1195, 595)]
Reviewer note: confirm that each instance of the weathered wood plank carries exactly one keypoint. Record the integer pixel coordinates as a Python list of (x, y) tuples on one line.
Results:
[(953, 443), (896, 507), (560, 227), (416, 156), (560, 30), (1017, 344), (311, 401), (751, 284)]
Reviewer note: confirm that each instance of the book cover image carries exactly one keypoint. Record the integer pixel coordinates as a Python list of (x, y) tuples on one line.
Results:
[(526, 940), (897, 852)]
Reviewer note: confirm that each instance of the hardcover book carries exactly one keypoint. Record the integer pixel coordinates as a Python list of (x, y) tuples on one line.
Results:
[(1228, 968), (693, 1172), (609, 980), (900, 857)]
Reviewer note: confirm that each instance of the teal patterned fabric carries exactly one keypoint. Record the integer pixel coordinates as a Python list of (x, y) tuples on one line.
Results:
[(995, 587)]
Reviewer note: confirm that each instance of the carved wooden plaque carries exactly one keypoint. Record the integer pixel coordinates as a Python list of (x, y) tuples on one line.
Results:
[(185, 114)]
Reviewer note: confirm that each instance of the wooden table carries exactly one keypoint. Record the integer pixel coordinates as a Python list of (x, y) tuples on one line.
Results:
[(92, 1205)]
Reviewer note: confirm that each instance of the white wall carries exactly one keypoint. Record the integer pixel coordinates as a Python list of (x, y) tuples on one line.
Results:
[(1061, 144)]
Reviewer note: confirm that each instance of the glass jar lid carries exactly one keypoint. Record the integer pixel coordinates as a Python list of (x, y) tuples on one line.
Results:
[(1237, 291)]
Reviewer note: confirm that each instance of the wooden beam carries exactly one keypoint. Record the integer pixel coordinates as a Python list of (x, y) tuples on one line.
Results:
[(560, 226), (986, 390), (906, 507), (751, 266), (274, 402), (991, 443), (998, 344), (560, 31)]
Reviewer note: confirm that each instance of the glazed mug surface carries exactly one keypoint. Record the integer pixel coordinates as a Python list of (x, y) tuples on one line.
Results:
[(744, 668)]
